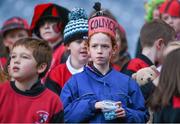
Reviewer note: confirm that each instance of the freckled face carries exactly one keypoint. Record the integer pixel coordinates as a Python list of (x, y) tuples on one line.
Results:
[(100, 49)]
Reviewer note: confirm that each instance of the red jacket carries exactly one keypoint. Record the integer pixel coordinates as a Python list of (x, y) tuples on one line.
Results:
[(136, 64), (57, 77)]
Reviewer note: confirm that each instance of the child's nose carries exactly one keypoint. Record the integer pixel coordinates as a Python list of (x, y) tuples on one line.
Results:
[(17, 60), (99, 49), (46, 25), (83, 44)]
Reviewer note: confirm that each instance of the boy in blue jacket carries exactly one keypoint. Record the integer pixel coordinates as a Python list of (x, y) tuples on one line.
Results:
[(84, 94)]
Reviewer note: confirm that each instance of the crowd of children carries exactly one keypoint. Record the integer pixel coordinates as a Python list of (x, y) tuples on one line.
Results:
[(74, 68)]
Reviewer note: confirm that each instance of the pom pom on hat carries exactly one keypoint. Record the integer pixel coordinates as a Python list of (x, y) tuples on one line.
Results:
[(77, 27), (77, 13)]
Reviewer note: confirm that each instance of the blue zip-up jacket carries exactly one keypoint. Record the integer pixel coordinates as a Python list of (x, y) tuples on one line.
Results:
[(84, 89)]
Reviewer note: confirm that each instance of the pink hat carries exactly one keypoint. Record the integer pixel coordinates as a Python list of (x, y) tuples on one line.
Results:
[(101, 23)]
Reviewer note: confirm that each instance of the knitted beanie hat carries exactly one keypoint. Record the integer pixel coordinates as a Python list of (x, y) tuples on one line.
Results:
[(77, 27)]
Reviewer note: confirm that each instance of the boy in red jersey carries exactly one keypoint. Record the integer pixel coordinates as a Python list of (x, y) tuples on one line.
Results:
[(30, 59)]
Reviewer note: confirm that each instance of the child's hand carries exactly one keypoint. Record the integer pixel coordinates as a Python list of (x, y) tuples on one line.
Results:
[(120, 112), (99, 105)]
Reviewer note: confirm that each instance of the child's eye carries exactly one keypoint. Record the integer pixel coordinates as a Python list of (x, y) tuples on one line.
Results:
[(25, 57), (94, 46), (105, 46), (21, 35), (13, 56), (79, 41)]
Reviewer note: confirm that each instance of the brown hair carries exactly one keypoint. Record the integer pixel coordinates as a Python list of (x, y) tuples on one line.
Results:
[(169, 82), (123, 56), (42, 52), (3, 76), (152, 31), (123, 39), (3, 49)]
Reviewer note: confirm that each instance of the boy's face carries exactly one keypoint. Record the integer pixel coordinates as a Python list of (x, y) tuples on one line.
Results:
[(176, 24), (156, 14), (79, 51), (23, 66), (100, 49), (167, 18), (14, 35), (50, 31)]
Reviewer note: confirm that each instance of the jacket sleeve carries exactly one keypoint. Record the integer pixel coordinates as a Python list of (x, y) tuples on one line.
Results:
[(136, 110), (147, 89), (126, 71), (77, 108)]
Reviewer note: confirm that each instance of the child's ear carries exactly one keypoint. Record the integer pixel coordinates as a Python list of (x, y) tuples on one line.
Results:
[(6, 44), (41, 68), (159, 43), (67, 46)]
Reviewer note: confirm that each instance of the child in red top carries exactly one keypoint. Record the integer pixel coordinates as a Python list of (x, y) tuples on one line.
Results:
[(30, 59), (48, 23), (170, 13), (75, 38), (12, 30), (154, 37)]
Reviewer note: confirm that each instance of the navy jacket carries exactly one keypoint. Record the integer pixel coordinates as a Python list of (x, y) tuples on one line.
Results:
[(84, 89)]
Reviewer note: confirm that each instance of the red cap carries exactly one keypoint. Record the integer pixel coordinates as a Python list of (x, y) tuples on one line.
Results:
[(172, 7), (14, 23)]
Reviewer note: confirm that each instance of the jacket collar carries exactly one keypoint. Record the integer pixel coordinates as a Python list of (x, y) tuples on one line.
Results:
[(35, 90)]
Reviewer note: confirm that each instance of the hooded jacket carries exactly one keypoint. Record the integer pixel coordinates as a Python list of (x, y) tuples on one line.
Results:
[(84, 89)]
